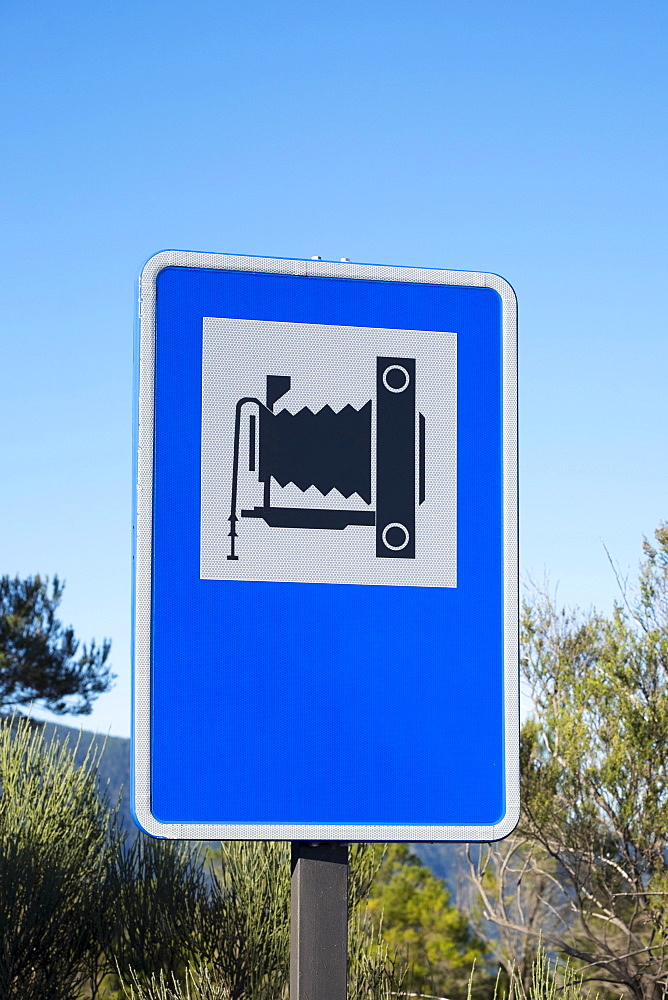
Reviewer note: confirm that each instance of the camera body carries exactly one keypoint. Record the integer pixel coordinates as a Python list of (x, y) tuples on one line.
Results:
[(346, 450)]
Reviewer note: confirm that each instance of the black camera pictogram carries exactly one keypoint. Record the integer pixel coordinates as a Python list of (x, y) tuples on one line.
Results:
[(330, 450)]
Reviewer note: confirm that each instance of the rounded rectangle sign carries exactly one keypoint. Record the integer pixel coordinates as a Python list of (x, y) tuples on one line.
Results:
[(325, 552)]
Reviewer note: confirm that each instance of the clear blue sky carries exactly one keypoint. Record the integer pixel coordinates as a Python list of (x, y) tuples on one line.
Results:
[(526, 138)]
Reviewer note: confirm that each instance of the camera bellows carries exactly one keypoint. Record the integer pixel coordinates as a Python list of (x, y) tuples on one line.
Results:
[(327, 450)]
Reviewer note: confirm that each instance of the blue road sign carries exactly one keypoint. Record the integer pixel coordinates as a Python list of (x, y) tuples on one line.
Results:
[(326, 552)]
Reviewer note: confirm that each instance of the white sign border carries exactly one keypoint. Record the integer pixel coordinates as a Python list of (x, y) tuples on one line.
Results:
[(141, 710)]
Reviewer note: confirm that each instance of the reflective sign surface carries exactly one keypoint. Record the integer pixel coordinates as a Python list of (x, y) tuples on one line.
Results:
[(326, 592)]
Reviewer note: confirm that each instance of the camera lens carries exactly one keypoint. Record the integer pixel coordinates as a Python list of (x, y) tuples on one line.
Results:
[(396, 536), (396, 378)]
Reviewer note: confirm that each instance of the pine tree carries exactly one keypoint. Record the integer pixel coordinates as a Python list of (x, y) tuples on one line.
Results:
[(40, 660)]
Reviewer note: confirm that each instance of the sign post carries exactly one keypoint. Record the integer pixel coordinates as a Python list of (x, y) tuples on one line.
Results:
[(326, 583), (319, 921)]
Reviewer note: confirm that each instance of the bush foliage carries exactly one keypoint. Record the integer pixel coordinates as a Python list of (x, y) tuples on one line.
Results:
[(57, 838), (587, 867)]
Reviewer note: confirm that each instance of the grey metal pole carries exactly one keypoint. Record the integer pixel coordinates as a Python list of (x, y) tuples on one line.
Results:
[(319, 921)]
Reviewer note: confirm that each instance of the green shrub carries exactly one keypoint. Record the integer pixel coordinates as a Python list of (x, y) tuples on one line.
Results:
[(248, 936), (413, 913), (56, 839), (246, 927), (152, 914), (551, 979)]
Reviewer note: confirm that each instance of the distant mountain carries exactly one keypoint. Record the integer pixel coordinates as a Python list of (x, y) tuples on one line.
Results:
[(447, 862)]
